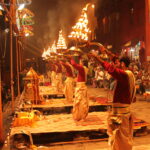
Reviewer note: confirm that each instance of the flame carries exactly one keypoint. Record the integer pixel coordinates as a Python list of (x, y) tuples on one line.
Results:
[(61, 44), (53, 48), (80, 29), (47, 53)]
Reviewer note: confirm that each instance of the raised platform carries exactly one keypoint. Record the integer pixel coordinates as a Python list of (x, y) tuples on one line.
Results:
[(57, 106), (55, 103), (48, 92), (61, 128)]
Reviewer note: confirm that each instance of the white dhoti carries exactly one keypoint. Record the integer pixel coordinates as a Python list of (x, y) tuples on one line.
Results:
[(59, 84), (120, 128), (49, 74), (53, 79), (81, 102), (69, 89)]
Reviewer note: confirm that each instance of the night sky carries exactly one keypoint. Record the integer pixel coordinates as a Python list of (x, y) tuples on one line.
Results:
[(50, 17)]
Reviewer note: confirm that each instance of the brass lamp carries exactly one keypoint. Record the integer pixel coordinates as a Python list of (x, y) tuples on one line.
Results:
[(74, 51)]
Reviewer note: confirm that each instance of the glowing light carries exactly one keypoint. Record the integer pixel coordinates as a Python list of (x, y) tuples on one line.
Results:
[(7, 30), (26, 2), (80, 29), (27, 34), (132, 49), (93, 6), (21, 6), (50, 52), (53, 48), (46, 54), (24, 16), (1, 8), (61, 44)]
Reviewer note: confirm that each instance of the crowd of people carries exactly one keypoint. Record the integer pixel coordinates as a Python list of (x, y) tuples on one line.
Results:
[(142, 76), (99, 78)]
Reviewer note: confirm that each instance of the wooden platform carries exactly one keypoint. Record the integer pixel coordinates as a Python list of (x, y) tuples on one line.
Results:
[(61, 128), (49, 92), (55, 103), (57, 124), (57, 106)]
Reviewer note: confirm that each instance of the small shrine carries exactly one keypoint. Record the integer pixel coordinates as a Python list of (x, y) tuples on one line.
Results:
[(32, 87)]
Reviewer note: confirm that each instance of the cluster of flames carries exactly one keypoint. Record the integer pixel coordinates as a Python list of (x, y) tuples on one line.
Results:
[(52, 50), (61, 44), (80, 33), (81, 30)]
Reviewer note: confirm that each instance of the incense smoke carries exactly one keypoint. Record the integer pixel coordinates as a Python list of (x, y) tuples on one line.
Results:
[(52, 16)]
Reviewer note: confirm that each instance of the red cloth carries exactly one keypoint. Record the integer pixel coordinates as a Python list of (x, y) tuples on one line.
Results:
[(102, 100), (81, 71), (53, 67), (69, 72), (59, 68), (122, 91)]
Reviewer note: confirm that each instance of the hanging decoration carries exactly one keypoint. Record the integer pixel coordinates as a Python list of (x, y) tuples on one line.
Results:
[(25, 22), (26, 17)]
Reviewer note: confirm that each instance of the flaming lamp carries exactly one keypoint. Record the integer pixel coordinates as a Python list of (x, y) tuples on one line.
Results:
[(81, 31), (61, 44)]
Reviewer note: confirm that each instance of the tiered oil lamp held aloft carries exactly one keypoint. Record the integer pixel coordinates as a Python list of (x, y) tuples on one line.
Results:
[(80, 34), (61, 44), (81, 31)]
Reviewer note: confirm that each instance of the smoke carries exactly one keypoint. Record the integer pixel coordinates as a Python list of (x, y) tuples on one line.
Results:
[(69, 13), (64, 16), (53, 24), (52, 16)]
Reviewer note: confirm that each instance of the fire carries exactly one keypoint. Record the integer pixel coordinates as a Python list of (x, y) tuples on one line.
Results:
[(81, 30), (61, 44)]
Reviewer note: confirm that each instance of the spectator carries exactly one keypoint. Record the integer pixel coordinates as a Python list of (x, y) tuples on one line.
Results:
[(99, 76)]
